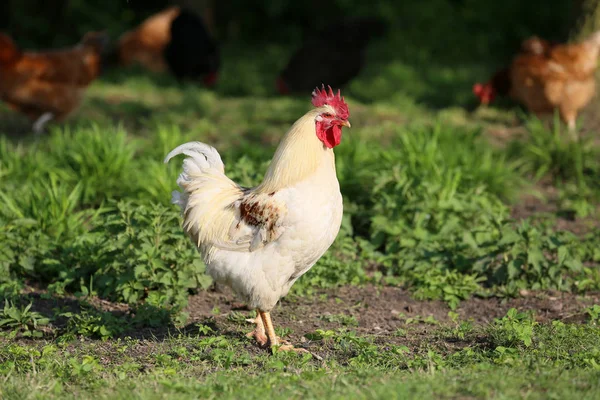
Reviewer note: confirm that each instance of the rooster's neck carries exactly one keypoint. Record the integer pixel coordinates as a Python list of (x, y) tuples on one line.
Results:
[(299, 155)]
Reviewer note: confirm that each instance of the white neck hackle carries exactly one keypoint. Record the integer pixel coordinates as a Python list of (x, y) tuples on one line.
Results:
[(300, 154)]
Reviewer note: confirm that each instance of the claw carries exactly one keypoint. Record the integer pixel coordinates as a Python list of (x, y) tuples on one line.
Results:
[(289, 347), (265, 334), (259, 332)]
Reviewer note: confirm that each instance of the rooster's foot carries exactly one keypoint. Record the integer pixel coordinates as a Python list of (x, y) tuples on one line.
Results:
[(258, 333), (287, 346)]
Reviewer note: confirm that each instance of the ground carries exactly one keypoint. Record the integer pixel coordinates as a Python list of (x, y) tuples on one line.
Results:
[(466, 266), (368, 310)]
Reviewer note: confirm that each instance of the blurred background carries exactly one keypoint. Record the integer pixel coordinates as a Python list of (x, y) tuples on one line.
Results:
[(434, 24), (458, 37)]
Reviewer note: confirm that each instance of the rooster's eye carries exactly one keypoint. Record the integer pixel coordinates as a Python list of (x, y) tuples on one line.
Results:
[(326, 115)]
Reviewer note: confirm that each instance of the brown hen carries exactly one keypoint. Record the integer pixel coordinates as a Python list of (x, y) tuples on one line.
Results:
[(546, 76), (50, 84)]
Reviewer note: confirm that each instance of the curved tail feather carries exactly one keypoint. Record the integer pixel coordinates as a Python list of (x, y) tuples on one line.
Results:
[(206, 193)]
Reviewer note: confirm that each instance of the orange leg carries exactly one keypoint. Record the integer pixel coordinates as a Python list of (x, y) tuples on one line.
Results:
[(274, 340), (266, 318), (259, 331)]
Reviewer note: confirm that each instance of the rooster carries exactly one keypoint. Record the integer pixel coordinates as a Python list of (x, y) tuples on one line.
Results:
[(546, 76), (340, 51), (259, 241), (174, 40), (51, 84)]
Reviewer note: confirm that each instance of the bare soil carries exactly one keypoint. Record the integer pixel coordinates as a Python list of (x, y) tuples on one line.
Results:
[(382, 310), (388, 315), (369, 310)]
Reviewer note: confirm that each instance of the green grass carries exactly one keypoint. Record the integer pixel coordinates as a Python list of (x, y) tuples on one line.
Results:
[(98, 274), (513, 357)]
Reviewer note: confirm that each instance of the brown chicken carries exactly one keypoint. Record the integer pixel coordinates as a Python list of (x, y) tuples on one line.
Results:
[(174, 40), (537, 45), (546, 76), (51, 84), (145, 44)]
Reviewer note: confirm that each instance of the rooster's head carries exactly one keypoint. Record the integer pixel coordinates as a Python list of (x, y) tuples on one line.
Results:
[(332, 116)]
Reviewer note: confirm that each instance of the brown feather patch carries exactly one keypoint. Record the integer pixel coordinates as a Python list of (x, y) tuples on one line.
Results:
[(256, 212)]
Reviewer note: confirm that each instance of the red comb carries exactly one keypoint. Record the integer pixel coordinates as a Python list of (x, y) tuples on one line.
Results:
[(321, 97)]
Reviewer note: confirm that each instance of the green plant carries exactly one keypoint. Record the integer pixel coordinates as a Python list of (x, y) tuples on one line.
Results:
[(94, 324), (21, 320), (594, 313), (343, 319), (571, 164), (512, 330), (137, 252), (461, 329), (100, 162)]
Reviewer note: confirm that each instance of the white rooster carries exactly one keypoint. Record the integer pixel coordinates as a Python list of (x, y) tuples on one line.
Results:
[(259, 241)]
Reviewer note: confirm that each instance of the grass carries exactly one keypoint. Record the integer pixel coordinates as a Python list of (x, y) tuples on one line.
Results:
[(533, 360), (466, 266)]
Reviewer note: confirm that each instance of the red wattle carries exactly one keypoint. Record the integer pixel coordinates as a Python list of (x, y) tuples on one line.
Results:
[(330, 137)]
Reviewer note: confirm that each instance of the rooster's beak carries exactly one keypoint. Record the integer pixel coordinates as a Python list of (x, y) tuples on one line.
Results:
[(345, 123)]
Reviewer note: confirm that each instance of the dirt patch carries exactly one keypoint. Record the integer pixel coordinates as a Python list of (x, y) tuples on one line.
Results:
[(378, 310), (388, 315)]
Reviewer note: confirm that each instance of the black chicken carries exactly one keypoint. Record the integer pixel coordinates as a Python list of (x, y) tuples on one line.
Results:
[(175, 40), (334, 55), (192, 53)]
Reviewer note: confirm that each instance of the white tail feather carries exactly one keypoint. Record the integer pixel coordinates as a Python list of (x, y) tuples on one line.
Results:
[(202, 155), (206, 193)]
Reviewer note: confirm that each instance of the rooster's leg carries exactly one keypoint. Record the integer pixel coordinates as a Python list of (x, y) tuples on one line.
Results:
[(274, 340), (266, 318), (38, 125), (259, 331)]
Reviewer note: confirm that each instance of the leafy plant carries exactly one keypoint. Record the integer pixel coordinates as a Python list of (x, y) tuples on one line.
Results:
[(343, 319), (512, 330), (139, 253), (94, 324), (102, 167), (594, 313), (21, 320), (571, 164)]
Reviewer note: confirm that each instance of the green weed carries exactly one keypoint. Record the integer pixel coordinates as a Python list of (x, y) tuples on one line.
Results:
[(21, 320)]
